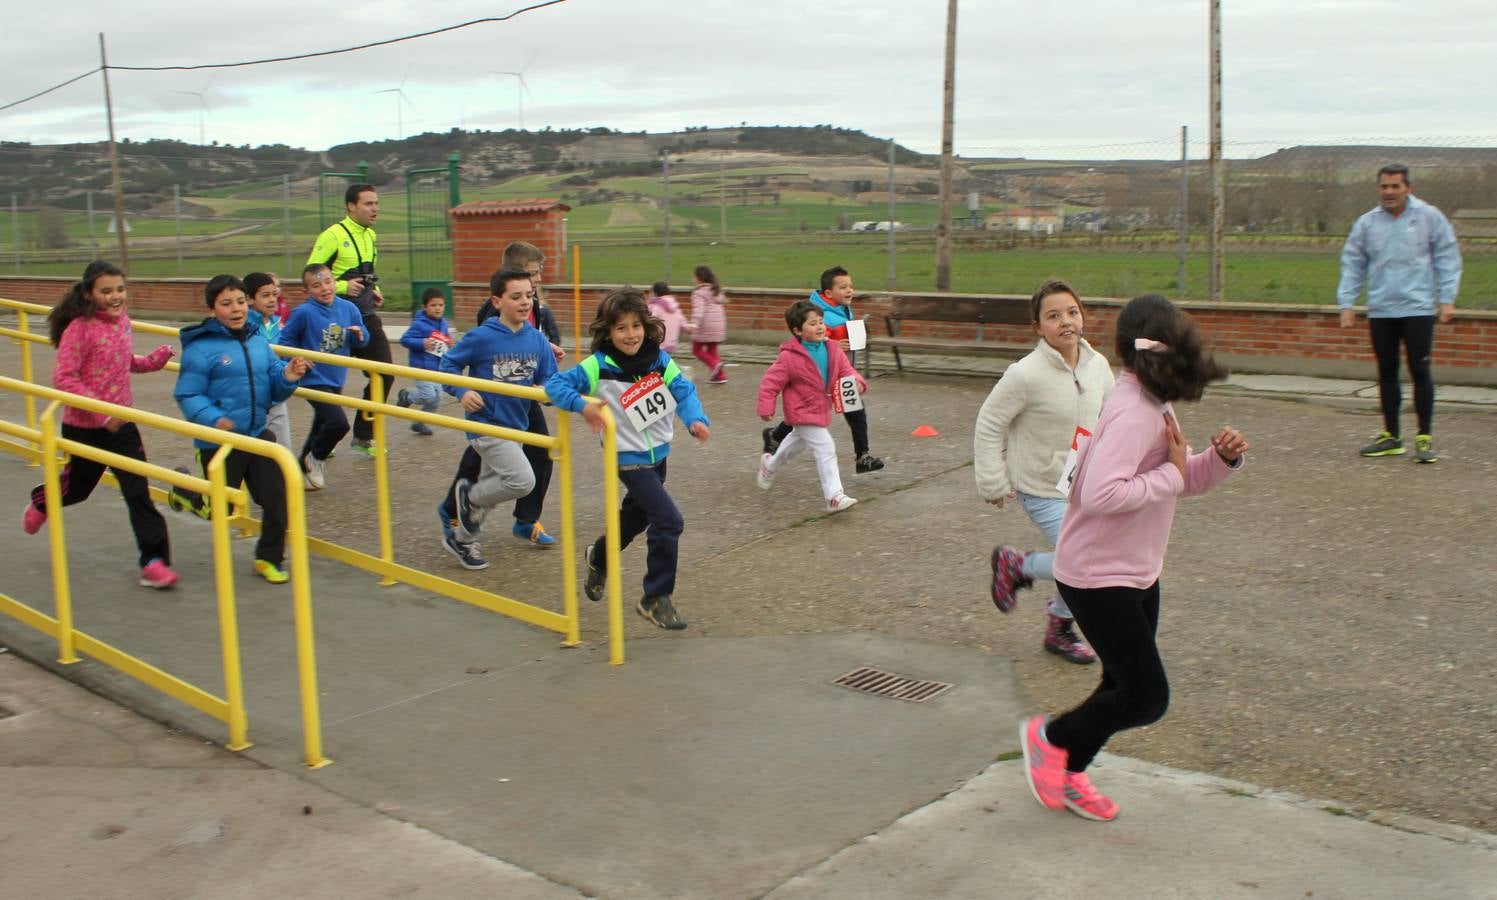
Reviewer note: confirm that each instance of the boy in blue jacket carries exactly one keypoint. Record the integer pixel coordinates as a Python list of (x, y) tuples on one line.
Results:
[(329, 324), (427, 338), (507, 348), (644, 388), (229, 379)]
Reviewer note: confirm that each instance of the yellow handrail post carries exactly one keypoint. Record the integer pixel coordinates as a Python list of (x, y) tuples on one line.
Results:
[(62, 596), (577, 299), (301, 604), (612, 538), (28, 373), (381, 474), (568, 532), (228, 623)]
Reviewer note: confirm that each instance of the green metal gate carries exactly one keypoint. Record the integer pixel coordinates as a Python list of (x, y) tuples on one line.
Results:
[(330, 189), (429, 193)]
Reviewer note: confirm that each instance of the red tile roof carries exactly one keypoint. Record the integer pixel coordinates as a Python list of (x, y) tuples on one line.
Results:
[(507, 207)]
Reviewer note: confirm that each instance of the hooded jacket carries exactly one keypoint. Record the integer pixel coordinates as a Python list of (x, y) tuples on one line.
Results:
[(324, 328), (229, 376), (709, 319), (415, 336), (807, 398), (494, 352), (600, 376)]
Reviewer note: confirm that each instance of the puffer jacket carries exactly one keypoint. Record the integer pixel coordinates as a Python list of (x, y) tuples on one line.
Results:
[(228, 376), (709, 317), (807, 399)]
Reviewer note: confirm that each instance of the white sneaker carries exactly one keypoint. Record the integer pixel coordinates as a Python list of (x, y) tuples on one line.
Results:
[(766, 477), (316, 477), (839, 503)]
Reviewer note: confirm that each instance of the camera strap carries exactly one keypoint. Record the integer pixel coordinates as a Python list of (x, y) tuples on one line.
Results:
[(356, 254)]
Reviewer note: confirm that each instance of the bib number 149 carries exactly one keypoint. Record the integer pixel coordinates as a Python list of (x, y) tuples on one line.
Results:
[(647, 401)]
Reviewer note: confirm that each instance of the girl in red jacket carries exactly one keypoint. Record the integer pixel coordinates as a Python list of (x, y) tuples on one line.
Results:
[(815, 376)]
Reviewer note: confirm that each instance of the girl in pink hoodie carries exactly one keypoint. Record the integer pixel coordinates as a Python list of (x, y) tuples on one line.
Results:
[(808, 372), (1123, 487), (95, 359)]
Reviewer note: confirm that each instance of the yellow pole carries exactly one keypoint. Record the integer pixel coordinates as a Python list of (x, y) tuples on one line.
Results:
[(228, 624), (381, 475), (52, 485), (577, 299), (301, 604), (612, 538), (568, 532), (28, 374)]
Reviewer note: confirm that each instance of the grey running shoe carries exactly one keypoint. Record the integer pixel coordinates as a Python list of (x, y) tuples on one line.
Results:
[(1424, 449), (1384, 444)]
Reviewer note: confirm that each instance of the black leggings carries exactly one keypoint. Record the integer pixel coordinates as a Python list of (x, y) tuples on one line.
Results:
[(857, 423), (1417, 333), (81, 476), (1120, 623)]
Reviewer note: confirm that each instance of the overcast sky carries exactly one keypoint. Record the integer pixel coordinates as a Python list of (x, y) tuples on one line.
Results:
[(1031, 77)]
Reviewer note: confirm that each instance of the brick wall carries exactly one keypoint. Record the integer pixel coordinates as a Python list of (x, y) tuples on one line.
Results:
[(1252, 337), (481, 231)]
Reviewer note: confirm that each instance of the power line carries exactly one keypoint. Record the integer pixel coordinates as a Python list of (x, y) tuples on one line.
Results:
[(279, 59)]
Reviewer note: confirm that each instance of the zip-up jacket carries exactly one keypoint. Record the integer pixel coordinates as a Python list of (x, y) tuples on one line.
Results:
[(600, 376), (835, 317), (313, 326), (95, 358), (343, 247), (494, 352), (1408, 262), (1025, 427), (229, 376), (709, 315), (807, 396), (414, 339)]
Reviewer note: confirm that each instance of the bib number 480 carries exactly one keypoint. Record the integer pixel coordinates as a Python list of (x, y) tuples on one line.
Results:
[(847, 398)]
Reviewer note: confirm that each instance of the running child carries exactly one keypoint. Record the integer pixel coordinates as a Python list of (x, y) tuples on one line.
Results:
[(1112, 542), (642, 386), (505, 348), (709, 323), (427, 339), (664, 307), (1043, 404), (329, 324), (834, 300), (231, 379), (95, 358), (268, 303), (809, 372)]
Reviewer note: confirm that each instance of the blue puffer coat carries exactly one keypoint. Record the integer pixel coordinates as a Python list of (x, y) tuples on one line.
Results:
[(229, 376)]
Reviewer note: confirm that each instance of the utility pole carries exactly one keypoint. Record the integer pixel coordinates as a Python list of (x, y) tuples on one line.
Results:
[(665, 159), (114, 161), (948, 101), (889, 252), (1184, 205), (1218, 173)]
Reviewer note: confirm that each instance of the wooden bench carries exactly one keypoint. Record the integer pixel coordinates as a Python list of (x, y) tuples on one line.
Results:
[(978, 311)]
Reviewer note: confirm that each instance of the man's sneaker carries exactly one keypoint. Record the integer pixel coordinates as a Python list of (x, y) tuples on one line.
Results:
[(422, 429), (467, 553), (32, 519), (1044, 764), (365, 447), (839, 503), (1384, 444), (593, 586), (158, 575), (271, 572), (469, 517), (1061, 640), (660, 611), (403, 399), (868, 463), (1008, 577), (532, 532), (770, 444), (1424, 449), (1085, 800), (765, 478), (316, 473)]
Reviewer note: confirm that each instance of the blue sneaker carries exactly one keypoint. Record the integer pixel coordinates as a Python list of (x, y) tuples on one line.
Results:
[(532, 532)]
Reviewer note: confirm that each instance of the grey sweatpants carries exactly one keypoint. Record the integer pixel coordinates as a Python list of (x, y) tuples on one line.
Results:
[(506, 473)]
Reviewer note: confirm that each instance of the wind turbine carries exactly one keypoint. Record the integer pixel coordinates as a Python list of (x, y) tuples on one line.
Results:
[(521, 87), (400, 98), (203, 107)]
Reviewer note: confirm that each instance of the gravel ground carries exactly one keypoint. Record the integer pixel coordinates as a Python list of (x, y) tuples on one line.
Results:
[(1324, 617)]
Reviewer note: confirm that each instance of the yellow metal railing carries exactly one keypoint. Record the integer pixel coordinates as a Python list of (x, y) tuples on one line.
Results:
[(558, 445), (230, 708)]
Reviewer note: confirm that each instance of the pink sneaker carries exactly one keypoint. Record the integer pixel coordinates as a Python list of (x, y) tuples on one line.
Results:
[(1008, 577), (158, 575), (33, 519), (1085, 801), (1062, 640), (1044, 764)]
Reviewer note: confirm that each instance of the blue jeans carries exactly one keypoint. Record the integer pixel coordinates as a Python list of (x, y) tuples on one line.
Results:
[(1046, 513), (426, 396), (647, 505)]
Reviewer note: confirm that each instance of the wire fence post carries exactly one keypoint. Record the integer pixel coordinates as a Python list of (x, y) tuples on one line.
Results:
[(889, 244), (1184, 207), (15, 231), (177, 217), (93, 240), (286, 221), (665, 160), (1218, 165)]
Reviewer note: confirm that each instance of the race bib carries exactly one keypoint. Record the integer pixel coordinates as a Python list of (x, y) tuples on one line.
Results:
[(647, 401), (436, 347), (846, 398), (1068, 472)]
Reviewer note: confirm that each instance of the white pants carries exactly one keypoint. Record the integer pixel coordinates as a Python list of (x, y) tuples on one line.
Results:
[(822, 447), (278, 421)]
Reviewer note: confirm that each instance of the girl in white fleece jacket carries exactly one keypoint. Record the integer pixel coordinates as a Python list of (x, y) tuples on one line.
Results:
[(1024, 435)]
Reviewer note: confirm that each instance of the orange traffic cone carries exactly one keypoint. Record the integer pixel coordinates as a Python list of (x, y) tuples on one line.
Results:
[(925, 431)]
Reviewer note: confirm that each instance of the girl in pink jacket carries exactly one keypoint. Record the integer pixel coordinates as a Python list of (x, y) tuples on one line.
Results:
[(1123, 487), (809, 372), (709, 323), (95, 359)]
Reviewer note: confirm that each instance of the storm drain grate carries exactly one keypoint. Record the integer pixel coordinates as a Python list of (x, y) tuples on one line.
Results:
[(887, 684)]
